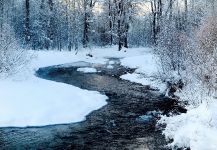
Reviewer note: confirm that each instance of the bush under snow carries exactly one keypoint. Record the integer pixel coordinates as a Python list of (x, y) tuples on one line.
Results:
[(197, 129), (12, 58)]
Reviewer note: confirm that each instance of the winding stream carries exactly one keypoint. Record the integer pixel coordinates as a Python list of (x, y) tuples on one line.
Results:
[(126, 122)]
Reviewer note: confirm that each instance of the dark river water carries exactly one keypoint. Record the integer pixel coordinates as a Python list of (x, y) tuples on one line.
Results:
[(128, 121)]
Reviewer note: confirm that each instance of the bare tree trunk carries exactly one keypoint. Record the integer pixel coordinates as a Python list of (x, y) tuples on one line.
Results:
[(110, 23), (86, 26), (170, 9), (69, 21), (186, 15), (127, 18), (27, 22), (154, 21), (126, 35), (159, 15), (51, 23), (1, 15), (213, 6), (179, 21), (120, 11), (88, 6)]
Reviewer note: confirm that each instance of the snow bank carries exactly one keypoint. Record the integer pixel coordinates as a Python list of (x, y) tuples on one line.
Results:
[(40, 102), (146, 72), (145, 64), (100, 55), (153, 82), (196, 129), (110, 67), (87, 70)]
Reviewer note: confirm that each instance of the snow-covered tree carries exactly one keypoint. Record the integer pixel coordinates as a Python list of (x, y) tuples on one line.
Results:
[(12, 57)]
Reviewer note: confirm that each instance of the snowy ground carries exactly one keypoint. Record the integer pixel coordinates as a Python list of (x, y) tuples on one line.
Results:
[(30, 101), (147, 71), (195, 129), (87, 70)]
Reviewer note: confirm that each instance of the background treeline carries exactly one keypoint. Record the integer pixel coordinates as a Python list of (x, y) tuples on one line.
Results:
[(70, 24)]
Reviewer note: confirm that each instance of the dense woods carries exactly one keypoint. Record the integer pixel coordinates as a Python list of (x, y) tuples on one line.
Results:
[(66, 24)]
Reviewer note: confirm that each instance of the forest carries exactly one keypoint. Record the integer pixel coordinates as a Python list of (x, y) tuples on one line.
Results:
[(98, 53), (68, 25)]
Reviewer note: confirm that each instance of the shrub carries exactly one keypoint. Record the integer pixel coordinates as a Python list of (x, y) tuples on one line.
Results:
[(12, 58)]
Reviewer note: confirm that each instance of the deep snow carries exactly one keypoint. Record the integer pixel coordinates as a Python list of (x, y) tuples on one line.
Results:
[(195, 129), (154, 83), (37, 102), (147, 70), (87, 70)]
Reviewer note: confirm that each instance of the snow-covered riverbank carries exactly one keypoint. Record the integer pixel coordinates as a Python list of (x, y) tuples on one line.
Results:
[(27, 100)]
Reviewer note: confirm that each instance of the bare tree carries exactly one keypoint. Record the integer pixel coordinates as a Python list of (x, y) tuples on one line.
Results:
[(27, 22), (1, 14), (88, 14)]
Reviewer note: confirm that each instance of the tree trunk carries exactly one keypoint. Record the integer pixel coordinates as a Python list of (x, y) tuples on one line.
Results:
[(85, 33), (154, 20), (120, 42), (88, 5), (126, 36), (1, 15), (213, 6), (110, 23), (186, 15), (51, 23), (27, 22)]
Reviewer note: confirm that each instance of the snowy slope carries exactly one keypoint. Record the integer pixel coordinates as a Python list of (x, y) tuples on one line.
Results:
[(147, 70), (146, 63), (196, 129)]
